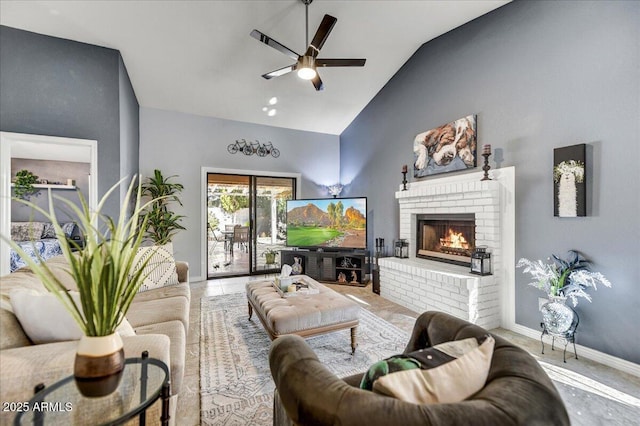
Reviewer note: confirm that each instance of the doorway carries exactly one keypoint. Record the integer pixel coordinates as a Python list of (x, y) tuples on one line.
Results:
[(245, 219), (52, 151)]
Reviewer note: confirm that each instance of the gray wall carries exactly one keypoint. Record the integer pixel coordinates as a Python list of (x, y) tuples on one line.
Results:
[(540, 75), (57, 87), (129, 127), (181, 144), (52, 171)]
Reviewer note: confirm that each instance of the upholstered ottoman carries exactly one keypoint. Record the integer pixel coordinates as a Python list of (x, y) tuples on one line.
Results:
[(302, 314)]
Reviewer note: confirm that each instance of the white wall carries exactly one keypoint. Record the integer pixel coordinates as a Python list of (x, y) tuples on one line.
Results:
[(181, 144)]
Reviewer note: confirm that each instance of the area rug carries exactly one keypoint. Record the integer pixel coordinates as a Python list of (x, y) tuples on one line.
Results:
[(235, 382)]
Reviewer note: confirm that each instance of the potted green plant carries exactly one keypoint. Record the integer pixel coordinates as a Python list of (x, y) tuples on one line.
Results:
[(23, 185), (270, 256), (107, 277), (161, 223)]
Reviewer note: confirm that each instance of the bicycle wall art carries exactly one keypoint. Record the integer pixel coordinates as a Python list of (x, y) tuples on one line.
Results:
[(250, 148)]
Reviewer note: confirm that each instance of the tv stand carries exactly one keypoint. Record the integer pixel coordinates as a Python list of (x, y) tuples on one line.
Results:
[(338, 267)]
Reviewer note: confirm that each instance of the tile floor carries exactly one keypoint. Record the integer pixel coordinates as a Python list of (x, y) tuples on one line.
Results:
[(595, 394)]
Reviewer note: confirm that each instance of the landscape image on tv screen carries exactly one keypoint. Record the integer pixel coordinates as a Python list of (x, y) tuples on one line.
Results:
[(331, 223)]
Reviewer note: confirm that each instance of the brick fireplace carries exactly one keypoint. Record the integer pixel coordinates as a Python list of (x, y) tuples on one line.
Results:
[(444, 219)]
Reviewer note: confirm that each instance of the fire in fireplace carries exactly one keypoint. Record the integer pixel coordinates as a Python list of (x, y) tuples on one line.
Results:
[(447, 238)]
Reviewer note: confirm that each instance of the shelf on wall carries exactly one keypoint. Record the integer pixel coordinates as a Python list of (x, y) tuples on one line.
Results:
[(50, 186)]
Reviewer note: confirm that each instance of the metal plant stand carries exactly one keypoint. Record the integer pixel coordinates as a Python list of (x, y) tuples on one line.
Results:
[(569, 336)]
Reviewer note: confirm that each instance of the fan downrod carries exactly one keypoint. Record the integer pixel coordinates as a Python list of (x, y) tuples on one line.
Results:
[(306, 20)]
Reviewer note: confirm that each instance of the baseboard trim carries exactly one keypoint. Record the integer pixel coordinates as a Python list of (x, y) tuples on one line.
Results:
[(601, 357), (196, 279)]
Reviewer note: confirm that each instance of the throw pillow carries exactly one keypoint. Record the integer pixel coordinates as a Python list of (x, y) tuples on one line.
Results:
[(449, 372), (44, 318), (160, 270), (68, 228), (48, 231), (26, 231)]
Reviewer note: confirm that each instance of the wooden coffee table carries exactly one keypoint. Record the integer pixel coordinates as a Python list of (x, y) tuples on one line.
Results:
[(303, 314)]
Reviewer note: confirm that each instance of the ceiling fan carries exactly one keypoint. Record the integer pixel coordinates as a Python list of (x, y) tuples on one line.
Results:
[(306, 64)]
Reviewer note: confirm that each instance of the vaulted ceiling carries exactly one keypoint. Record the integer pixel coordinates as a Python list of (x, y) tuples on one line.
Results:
[(197, 57)]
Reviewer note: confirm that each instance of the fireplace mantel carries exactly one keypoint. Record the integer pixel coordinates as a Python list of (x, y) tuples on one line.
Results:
[(421, 284)]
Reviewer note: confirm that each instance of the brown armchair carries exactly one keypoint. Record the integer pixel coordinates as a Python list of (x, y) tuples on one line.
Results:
[(517, 391)]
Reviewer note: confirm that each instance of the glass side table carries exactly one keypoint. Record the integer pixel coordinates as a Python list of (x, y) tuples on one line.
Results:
[(144, 381)]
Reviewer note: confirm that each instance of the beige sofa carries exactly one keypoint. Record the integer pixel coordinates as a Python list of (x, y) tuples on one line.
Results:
[(160, 318)]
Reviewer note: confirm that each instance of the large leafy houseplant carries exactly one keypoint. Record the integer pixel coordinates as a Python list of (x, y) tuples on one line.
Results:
[(564, 278), (161, 223)]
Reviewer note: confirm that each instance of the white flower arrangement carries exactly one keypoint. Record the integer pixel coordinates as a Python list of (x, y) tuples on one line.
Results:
[(565, 278)]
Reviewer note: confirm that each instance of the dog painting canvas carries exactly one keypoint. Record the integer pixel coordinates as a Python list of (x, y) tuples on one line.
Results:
[(448, 148), (569, 186)]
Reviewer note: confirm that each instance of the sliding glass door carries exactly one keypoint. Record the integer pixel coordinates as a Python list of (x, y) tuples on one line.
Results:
[(245, 223), (268, 232)]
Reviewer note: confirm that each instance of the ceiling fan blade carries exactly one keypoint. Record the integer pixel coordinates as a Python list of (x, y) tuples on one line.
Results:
[(321, 35), (279, 72), (317, 82), (272, 43), (340, 62)]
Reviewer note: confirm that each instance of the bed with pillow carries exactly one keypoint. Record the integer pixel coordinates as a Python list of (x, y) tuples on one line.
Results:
[(38, 240)]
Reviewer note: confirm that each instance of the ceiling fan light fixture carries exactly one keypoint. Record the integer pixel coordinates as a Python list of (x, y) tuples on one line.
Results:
[(305, 64), (306, 73), (306, 68)]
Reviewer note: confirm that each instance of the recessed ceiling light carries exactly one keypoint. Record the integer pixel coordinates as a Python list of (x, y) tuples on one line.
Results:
[(273, 101), (264, 109), (272, 112)]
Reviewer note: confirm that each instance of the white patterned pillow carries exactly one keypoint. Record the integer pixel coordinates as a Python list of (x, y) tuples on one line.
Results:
[(160, 271)]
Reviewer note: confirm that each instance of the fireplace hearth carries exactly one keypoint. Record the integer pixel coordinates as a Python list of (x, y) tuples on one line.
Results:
[(446, 238)]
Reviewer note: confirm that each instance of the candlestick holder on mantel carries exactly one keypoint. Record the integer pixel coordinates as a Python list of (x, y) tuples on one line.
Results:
[(486, 153), (404, 177)]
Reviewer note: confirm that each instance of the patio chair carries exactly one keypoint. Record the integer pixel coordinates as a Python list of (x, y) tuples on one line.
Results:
[(241, 236), (217, 237)]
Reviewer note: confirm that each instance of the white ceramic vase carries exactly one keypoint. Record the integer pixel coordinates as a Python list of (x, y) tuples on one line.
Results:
[(99, 364)]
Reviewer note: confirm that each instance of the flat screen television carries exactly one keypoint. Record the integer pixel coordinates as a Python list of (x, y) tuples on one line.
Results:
[(331, 223)]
